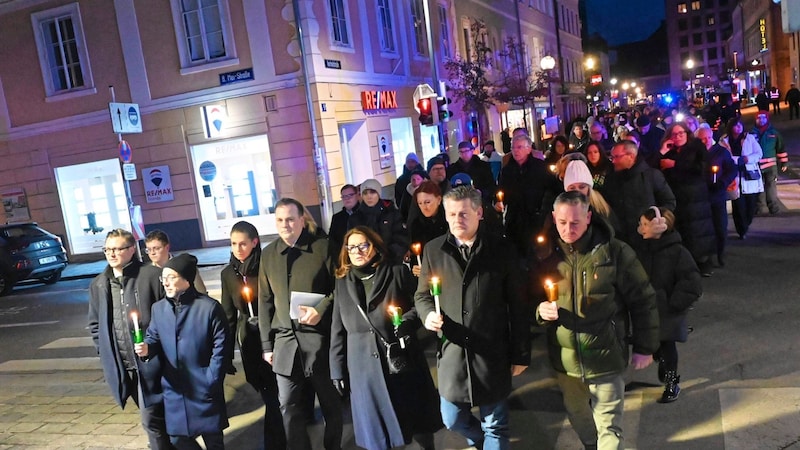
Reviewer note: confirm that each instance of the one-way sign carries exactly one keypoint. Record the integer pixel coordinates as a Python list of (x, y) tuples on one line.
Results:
[(125, 117)]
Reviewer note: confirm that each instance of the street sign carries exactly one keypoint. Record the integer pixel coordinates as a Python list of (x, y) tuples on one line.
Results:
[(125, 117), (129, 172), (125, 151)]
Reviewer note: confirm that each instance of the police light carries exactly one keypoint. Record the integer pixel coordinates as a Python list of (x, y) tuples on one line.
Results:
[(425, 111)]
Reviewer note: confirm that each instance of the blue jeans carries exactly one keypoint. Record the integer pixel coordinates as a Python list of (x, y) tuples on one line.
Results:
[(491, 430)]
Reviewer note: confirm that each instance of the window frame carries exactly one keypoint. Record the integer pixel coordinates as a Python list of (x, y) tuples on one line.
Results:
[(187, 65), (380, 6), (444, 31), (53, 93), (338, 44), (419, 41)]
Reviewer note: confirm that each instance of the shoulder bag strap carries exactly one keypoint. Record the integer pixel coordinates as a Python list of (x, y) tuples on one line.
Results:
[(364, 315)]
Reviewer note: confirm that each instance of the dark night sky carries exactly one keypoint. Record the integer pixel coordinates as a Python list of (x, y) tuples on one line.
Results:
[(623, 21)]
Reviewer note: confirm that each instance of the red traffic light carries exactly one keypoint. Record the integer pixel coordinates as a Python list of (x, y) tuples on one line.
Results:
[(425, 111)]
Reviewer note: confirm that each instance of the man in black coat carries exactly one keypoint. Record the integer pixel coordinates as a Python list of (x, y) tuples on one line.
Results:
[(119, 301), (793, 100), (484, 318), (295, 339), (529, 188), (340, 222), (472, 165), (631, 188), (649, 141)]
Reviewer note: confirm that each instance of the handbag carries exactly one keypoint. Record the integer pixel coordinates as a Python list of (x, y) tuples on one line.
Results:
[(751, 175), (397, 360)]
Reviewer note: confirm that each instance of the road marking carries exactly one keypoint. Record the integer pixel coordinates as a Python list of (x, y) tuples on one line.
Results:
[(51, 365), (72, 342), (27, 324)]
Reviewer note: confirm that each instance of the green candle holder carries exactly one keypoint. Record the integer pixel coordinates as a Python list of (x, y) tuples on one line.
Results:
[(138, 336), (397, 316), (436, 287)]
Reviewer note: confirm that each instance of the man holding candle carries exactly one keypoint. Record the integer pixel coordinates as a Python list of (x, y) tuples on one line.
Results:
[(297, 349), (119, 300), (240, 302), (483, 318), (601, 291), (189, 335)]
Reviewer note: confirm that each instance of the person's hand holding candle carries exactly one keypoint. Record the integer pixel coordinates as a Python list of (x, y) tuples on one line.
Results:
[(714, 170)]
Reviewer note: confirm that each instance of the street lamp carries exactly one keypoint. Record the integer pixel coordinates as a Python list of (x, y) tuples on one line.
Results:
[(590, 63), (613, 81), (690, 66), (547, 64)]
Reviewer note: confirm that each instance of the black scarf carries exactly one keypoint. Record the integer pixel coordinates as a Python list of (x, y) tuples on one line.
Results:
[(248, 267)]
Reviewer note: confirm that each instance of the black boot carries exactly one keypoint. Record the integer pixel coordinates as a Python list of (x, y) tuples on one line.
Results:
[(662, 371), (671, 387)]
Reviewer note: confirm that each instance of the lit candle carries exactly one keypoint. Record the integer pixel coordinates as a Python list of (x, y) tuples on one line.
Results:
[(551, 289), (540, 239), (436, 291), (416, 248), (138, 336), (714, 170), (553, 168), (500, 195), (397, 318), (247, 298)]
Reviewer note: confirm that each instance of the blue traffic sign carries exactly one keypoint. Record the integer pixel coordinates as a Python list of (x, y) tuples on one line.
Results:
[(125, 151)]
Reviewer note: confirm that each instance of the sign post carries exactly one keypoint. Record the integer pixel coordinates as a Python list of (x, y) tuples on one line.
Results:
[(125, 118)]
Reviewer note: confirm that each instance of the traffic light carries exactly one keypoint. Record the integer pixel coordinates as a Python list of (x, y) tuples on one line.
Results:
[(425, 111), (444, 110)]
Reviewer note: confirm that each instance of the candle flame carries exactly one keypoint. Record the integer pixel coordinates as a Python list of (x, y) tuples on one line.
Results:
[(715, 169), (416, 248), (548, 283), (500, 195), (540, 239), (434, 280), (553, 168), (246, 294), (134, 316)]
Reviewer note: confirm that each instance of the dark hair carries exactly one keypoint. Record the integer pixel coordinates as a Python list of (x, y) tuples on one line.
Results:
[(488, 143), (428, 187), (730, 124), (287, 201), (348, 186), (372, 237), (125, 234), (245, 228), (157, 235), (561, 138)]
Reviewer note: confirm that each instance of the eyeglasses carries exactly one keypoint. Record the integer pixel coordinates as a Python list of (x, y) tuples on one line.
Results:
[(613, 156), (347, 196), (678, 133), (111, 251), (153, 250), (360, 248), (169, 278)]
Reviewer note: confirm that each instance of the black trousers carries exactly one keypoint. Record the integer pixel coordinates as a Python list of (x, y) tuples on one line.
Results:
[(794, 110), (152, 416), (744, 209), (719, 214), (293, 395), (213, 441), (668, 351)]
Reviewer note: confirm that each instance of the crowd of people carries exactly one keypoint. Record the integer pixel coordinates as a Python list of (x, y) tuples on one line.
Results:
[(599, 243)]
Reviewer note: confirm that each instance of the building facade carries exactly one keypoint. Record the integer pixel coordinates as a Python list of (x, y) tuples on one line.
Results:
[(240, 103)]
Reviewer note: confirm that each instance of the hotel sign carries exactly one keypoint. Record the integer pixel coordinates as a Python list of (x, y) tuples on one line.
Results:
[(376, 100), (762, 28)]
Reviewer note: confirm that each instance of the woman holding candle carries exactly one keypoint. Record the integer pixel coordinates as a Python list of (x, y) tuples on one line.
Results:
[(684, 162), (240, 302), (746, 153), (430, 223), (387, 409), (676, 279)]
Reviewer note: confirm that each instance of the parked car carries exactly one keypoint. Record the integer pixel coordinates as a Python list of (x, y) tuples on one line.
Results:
[(28, 252)]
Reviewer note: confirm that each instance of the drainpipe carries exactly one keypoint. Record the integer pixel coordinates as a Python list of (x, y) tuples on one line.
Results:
[(320, 159)]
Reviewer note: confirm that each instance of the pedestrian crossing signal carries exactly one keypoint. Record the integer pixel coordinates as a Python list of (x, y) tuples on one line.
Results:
[(425, 111), (443, 108)]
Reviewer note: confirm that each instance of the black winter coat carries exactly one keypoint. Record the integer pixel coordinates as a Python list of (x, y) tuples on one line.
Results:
[(386, 220), (529, 191), (689, 182), (387, 409), (676, 279), (480, 172), (721, 157), (312, 271), (140, 293), (487, 317), (244, 327), (629, 192)]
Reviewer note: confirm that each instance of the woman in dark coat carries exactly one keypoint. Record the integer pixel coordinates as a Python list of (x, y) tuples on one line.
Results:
[(598, 163), (384, 218), (387, 409), (677, 283), (684, 161), (430, 223), (240, 302)]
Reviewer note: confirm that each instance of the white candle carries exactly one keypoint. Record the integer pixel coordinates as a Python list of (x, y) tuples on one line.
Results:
[(246, 295), (135, 320)]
